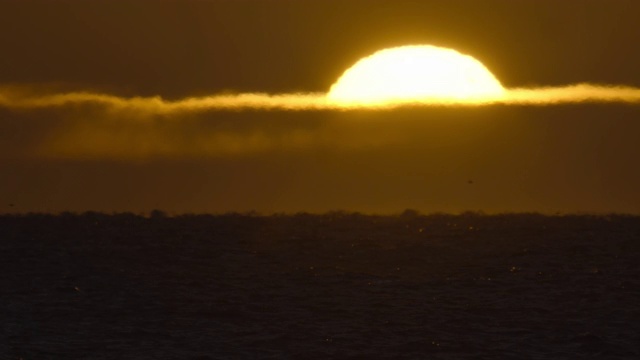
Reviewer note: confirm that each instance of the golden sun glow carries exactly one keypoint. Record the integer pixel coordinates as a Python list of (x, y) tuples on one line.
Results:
[(416, 73)]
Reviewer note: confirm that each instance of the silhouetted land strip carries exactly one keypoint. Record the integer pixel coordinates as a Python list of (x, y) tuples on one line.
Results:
[(319, 286)]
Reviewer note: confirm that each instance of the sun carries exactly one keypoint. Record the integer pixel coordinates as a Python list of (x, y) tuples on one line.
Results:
[(416, 73)]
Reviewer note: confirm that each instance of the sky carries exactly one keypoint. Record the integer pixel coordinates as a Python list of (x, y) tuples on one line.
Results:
[(120, 147)]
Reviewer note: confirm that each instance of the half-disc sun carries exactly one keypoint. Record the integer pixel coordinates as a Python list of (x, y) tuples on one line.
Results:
[(416, 73)]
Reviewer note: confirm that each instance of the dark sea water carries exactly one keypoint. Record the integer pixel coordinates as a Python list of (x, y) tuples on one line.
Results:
[(332, 286)]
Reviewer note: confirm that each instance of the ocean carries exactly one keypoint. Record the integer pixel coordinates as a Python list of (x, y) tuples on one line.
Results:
[(331, 286)]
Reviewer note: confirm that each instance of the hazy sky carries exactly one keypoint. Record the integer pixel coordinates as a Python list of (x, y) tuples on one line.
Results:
[(90, 156)]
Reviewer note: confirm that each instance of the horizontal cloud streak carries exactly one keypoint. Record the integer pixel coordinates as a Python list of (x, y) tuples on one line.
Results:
[(93, 125), (580, 93), (159, 105)]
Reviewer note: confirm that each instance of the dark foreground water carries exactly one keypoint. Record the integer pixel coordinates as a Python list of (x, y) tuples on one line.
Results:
[(332, 286)]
